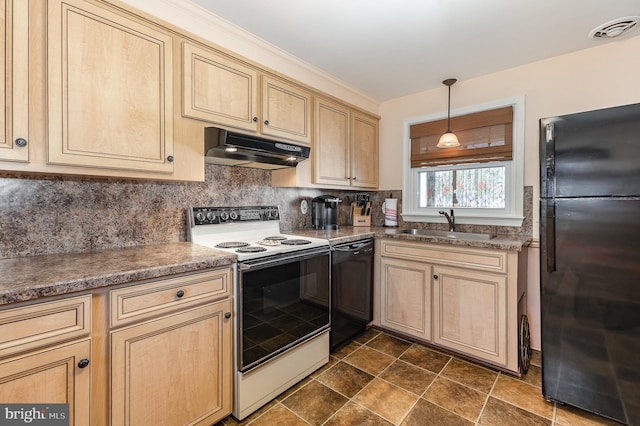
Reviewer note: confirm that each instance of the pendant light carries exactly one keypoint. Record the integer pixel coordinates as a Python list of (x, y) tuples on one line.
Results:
[(448, 140)]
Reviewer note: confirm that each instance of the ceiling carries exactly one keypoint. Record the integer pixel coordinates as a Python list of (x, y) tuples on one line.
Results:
[(391, 48)]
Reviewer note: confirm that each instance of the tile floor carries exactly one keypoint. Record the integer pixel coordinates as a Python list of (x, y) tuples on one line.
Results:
[(379, 379)]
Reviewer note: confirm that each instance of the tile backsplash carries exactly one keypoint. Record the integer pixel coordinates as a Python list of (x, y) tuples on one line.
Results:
[(45, 214)]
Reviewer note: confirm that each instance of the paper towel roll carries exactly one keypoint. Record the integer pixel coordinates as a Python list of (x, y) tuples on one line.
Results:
[(390, 210)]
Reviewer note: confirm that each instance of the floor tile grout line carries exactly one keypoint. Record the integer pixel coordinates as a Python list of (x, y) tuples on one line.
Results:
[(352, 399), (291, 411), (486, 401), (523, 408), (337, 410), (421, 396), (439, 375), (555, 413), (520, 407), (397, 358)]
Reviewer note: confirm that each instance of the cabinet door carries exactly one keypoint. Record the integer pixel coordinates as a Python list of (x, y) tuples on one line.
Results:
[(364, 151), (470, 312), (405, 297), (331, 151), (50, 376), (14, 121), (218, 89), (286, 111), (175, 370), (109, 89)]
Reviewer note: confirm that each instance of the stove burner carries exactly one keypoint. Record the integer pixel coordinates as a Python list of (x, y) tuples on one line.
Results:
[(250, 249), (232, 244), (295, 242), (268, 242), (275, 238)]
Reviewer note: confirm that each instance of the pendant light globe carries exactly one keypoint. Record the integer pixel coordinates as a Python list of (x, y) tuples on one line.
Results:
[(449, 139)]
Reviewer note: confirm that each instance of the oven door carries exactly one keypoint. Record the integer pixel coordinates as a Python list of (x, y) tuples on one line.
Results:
[(282, 302)]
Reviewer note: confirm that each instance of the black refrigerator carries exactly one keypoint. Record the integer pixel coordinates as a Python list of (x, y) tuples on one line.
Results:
[(590, 261)]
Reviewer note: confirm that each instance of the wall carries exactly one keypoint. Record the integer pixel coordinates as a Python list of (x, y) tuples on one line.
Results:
[(600, 77)]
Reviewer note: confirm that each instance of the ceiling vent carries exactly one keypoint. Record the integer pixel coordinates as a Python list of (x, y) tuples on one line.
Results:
[(614, 28)]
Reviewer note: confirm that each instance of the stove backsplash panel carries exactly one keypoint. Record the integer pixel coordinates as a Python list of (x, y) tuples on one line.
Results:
[(46, 215)]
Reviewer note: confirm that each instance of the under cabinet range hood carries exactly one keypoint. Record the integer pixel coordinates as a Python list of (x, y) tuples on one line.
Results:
[(236, 149)]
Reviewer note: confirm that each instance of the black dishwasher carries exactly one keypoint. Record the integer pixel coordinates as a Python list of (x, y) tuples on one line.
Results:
[(351, 290)]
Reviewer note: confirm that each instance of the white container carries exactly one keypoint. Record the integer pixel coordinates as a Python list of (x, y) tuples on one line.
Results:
[(390, 210)]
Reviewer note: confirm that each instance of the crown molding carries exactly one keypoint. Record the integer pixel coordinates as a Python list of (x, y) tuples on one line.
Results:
[(203, 23)]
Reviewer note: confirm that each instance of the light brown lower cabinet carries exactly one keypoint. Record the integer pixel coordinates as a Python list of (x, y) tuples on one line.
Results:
[(45, 355), (405, 297), (469, 312), (170, 350), (174, 370), (465, 299), (154, 352), (55, 375)]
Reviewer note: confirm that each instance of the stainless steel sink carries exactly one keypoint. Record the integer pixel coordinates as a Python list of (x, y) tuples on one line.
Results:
[(446, 234)]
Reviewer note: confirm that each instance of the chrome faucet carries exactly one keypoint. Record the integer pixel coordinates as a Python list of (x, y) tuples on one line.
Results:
[(451, 219)]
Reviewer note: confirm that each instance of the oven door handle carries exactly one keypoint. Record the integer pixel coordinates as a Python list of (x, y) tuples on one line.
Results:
[(280, 260)]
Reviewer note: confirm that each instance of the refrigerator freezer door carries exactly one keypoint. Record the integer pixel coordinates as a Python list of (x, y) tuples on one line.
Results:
[(590, 307), (591, 154)]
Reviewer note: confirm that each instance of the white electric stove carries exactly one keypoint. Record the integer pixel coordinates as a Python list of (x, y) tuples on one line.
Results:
[(248, 232), (281, 294)]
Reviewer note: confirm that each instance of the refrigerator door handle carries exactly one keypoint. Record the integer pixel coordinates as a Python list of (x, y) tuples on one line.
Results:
[(551, 235), (550, 161), (548, 133)]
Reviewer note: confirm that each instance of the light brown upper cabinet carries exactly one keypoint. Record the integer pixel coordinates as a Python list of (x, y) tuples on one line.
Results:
[(364, 150), (331, 151), (222, 90), (219, 89), (109, 89), (345, 147), (14, 122), (286, 111)]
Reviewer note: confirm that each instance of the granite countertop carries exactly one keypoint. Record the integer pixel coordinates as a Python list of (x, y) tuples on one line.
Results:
[(346, 234), (32, 277)]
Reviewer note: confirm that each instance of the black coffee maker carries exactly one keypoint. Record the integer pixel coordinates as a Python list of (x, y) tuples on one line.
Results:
[(324, 212)]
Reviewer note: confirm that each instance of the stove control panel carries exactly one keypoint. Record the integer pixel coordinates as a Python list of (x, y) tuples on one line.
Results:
[(217, 215)]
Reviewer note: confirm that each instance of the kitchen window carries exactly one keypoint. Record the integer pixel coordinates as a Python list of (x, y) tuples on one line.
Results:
[(483, 180)]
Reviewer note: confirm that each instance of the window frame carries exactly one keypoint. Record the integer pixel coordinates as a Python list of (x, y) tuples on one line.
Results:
[(511, 215)]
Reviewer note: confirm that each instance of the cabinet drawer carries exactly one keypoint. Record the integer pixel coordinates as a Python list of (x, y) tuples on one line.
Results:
[(443, 254), (42, 324), (143, 301)]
